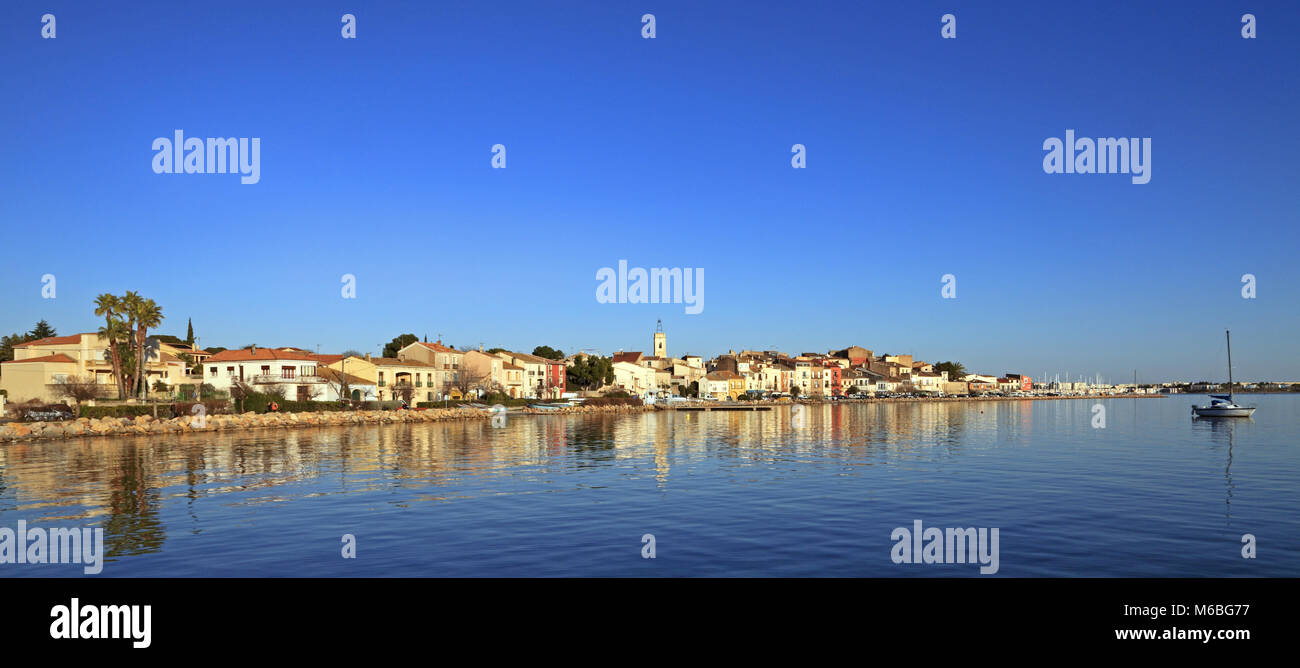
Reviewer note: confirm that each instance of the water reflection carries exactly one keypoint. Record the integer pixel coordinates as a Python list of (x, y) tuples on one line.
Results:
[(846, 461), (123, 483), (1222, 432)]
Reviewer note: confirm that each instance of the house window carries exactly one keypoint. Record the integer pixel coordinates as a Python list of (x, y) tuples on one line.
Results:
[(212, 371), (287, 371), (230, 371)]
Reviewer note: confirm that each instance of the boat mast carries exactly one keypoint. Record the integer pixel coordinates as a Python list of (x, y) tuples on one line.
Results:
[(1228, 334)]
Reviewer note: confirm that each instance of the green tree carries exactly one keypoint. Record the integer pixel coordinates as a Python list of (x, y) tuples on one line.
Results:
[(390, 350), (548, 352), (144, 313), (113, 332), (955, 370), (42, 330), (189, 331), (590, 372)]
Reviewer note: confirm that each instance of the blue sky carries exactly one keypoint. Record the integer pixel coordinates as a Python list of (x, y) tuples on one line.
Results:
[(924, 158)]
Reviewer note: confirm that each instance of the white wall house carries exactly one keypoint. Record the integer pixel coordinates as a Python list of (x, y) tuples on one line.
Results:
[(264, 368), (635, 379)]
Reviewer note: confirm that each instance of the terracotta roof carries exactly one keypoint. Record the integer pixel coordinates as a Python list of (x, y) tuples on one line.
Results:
[(627, 357), (723, 375), (438, 347), (393, 361), (534, 359), (50, 359), (259, 354), (335, 375), (327, 359), (53, 341)]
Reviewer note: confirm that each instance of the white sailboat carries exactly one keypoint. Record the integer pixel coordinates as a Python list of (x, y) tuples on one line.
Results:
[(1223, 405)]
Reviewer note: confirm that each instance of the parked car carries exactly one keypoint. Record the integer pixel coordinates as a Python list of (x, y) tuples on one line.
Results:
[(49, 413)]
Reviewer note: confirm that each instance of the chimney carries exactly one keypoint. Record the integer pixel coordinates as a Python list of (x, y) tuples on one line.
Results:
[(253, 349), (367, 357)]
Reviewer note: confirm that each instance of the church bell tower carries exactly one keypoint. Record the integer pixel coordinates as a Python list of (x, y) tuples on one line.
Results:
[(661, 341)]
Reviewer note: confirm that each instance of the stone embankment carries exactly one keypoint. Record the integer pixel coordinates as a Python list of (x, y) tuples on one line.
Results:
[(145, 424)]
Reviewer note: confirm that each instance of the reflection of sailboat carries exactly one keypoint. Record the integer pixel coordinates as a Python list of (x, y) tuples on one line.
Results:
[(1220, 431), (1222, 405)]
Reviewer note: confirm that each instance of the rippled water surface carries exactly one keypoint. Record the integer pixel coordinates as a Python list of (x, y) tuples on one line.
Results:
[(1154, 493)]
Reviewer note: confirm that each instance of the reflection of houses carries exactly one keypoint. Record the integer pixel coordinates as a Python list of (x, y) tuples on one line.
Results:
[(40, 366), (289, 370)]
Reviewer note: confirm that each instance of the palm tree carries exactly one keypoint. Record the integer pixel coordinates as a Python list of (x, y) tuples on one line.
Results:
[(109, 306), (115, 332), (130, 305), (146, 313)]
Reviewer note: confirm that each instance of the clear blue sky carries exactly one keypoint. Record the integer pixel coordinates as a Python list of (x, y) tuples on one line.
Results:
[(924, 159)]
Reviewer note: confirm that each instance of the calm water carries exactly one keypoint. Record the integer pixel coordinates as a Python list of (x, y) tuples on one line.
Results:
[(1154, 493)]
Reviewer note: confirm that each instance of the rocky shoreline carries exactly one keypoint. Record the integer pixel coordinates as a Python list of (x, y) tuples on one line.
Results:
[(145, 424)]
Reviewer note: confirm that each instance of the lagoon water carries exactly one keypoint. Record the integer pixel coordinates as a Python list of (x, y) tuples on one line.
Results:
[(1155, 492)]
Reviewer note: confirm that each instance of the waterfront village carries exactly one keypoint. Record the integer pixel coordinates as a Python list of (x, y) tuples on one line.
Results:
[(83, 367), (123, 363)]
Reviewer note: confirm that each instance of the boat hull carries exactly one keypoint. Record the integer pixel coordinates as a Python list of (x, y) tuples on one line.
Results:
[(1235, 411)]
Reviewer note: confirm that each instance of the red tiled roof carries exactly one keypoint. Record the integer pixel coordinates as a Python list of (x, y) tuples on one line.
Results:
[(52, 341), (52, 359), (438, 347), (259, 354), (395, 361), (627, 357)]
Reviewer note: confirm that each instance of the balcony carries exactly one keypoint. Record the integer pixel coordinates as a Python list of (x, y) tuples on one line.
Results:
[(293, 380)]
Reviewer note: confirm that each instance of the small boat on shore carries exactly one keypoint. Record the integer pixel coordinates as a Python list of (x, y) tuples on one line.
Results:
[(1223, 405), (546, 407)]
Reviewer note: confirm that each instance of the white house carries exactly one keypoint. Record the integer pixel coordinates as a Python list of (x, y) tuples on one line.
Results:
[(292, 370), (636, 379)]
